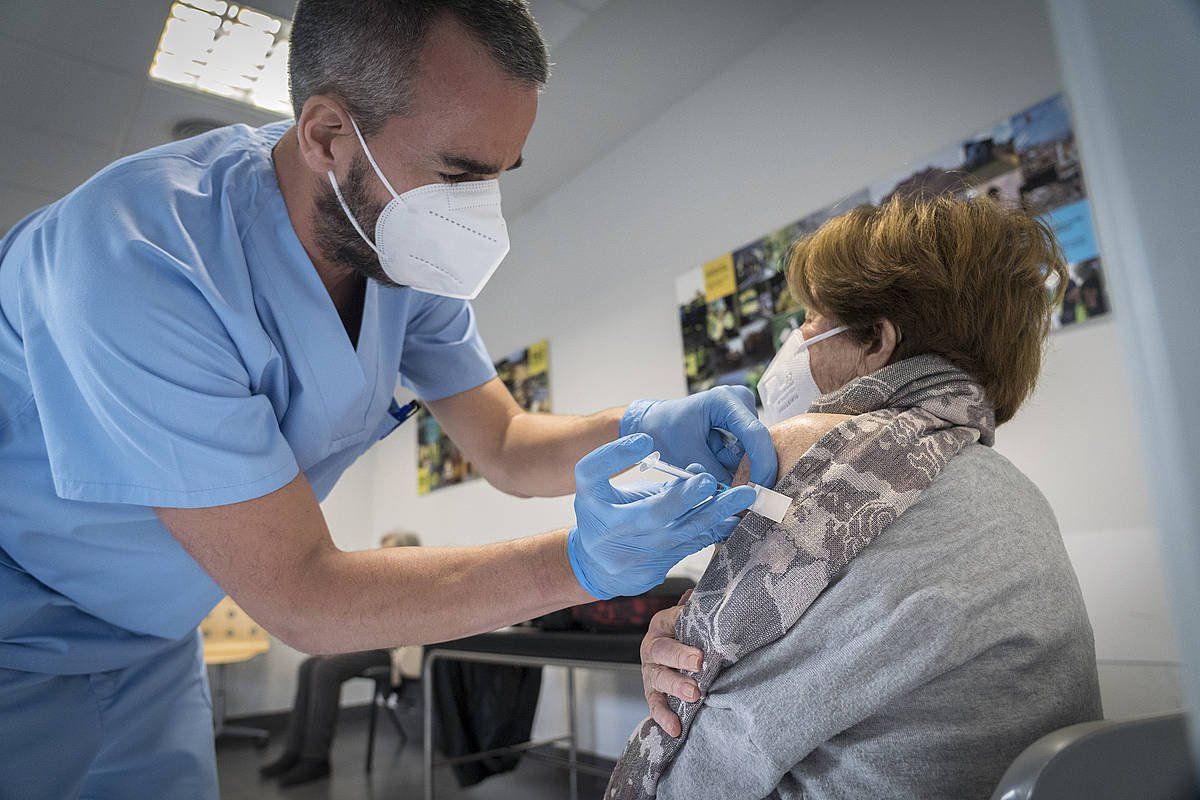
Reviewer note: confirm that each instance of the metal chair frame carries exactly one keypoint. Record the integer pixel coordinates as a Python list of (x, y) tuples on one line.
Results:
[(1146, 758), (384, 690), (221, 727)]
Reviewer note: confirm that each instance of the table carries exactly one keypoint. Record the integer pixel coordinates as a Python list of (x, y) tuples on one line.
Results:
[(531, 647)]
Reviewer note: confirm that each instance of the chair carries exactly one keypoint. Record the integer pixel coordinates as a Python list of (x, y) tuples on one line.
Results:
[(230, 636), (1146, 759), (385, 690)]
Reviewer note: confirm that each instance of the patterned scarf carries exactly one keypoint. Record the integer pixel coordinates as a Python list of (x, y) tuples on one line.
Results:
[(910, 419)]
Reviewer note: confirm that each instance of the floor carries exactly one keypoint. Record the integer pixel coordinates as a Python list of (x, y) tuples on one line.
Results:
[(396, 774)]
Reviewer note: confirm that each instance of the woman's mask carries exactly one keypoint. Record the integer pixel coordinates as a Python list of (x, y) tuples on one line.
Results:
[(787, 387)]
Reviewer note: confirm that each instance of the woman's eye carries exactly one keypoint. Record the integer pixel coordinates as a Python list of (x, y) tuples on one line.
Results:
[(457, 177)]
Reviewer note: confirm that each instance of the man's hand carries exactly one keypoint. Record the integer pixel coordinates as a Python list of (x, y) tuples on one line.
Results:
[(662, 658), (624, 541), (689, 430)]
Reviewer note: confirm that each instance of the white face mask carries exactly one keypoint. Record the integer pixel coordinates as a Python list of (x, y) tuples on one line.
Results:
[(444, 238), (787, 387)]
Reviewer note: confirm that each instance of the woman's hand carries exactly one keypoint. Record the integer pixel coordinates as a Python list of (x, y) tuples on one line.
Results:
[(662, 657)]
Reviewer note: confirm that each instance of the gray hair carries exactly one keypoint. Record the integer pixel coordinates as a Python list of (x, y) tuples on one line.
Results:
[(365, 51)]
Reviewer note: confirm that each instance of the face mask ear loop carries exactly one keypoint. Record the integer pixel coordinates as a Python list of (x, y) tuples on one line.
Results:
[(349, 215), (831, 332), (371, 159)]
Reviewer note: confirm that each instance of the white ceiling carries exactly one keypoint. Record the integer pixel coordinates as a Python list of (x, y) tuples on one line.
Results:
[(76, 95)]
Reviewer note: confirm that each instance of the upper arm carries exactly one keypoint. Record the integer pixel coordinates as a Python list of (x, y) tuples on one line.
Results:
[(830, 672), (720, 759), (259, 551), (477, 419), (793, 437)]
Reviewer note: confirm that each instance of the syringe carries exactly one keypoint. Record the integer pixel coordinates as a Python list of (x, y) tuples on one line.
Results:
[(767, 502)]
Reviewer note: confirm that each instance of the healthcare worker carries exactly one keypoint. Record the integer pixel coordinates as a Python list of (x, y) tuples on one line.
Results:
[(197, 342)]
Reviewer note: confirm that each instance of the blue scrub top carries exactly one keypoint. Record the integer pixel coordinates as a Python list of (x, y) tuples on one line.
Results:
[(166, 341)]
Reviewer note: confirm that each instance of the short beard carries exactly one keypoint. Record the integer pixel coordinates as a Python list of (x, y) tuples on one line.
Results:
[(337, 240)]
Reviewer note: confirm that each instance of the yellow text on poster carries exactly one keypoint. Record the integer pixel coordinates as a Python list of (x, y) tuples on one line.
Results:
[(539, 357), (719, 280)]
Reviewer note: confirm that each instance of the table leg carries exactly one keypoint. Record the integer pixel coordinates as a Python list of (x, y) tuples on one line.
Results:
[(571, 726), (219, 701), (427, 687)]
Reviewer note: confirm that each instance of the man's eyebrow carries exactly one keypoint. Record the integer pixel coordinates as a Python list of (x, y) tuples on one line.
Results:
[(474, 167)]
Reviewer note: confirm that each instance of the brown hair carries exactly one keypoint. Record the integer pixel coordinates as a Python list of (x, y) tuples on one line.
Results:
[(963, 279)]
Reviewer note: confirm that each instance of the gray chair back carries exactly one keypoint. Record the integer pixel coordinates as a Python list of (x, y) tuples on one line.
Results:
[(1146, 759)]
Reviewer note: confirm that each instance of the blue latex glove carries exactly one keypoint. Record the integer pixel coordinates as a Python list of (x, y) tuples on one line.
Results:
[(625, 540), (686, 431)]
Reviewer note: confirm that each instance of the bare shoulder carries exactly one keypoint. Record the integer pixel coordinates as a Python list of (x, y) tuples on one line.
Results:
[(793, 437), (811, 426)]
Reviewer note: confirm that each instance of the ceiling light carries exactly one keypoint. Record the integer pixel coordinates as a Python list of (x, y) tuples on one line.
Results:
[(228, 50)]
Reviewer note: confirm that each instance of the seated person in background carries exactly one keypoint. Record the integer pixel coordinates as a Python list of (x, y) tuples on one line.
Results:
[(314, 714), (914, 622)]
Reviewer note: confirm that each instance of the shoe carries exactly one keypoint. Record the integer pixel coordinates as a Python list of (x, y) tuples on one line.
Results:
[(279, 765), (306, 771)]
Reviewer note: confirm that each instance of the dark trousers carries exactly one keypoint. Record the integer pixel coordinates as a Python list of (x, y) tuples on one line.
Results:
[(318, 695), (482, 707)]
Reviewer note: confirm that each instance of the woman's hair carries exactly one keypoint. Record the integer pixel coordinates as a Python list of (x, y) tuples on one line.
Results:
[(963, 279)]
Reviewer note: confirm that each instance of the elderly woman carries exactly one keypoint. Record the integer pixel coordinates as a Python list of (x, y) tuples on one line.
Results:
[(914, 621)]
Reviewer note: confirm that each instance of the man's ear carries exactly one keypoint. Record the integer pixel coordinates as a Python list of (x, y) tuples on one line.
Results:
[(321, 129), (883, 345)]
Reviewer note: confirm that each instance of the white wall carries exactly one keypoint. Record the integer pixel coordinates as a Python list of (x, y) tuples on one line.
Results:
[(843, 95), (1077, 441)]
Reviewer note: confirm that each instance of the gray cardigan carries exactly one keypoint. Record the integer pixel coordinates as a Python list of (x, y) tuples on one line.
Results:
[(955, 639)]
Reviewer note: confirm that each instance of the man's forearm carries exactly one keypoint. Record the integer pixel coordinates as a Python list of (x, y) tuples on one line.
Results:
[(419, 595), (522, 453), (539, 452)]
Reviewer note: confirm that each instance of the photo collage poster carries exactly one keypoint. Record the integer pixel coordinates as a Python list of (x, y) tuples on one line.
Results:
[(735, 311), (526, 373)]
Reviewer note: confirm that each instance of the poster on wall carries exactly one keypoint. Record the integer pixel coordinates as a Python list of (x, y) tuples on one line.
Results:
[(440, 463), (736, 310)]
